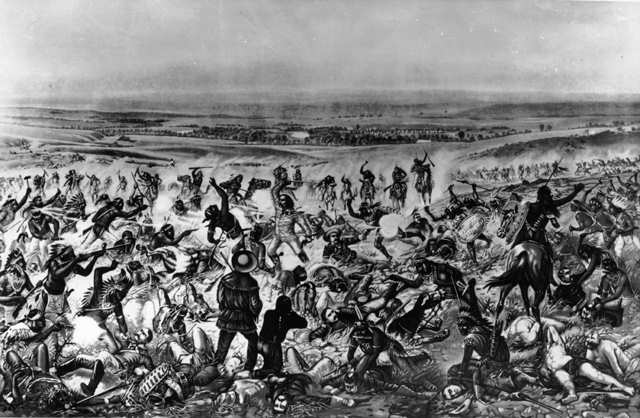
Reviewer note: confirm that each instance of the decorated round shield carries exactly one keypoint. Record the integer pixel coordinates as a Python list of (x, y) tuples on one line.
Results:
[(389, 225), (470, 227)]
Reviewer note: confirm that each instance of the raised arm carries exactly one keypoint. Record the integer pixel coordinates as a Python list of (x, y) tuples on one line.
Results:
[(224, 199), (24, 198), (352, 213), (362, 167), (100, 272), (53, 199)]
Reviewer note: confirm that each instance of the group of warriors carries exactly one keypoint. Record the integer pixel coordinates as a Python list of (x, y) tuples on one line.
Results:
[(361, 274), (529, 172)]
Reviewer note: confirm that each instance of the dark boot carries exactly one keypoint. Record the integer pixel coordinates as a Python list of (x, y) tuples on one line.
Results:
[(84, 362), (15, 362), (96, 376)]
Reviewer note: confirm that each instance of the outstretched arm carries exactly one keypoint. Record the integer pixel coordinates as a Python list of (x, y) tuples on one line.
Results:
[(86, 270), (587, 191), (133, 212), (569, 197)]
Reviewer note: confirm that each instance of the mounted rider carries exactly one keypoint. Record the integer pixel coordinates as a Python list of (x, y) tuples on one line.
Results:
[(540, 213)]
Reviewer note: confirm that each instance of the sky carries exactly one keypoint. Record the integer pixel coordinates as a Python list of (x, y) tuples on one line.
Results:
[(94, 48)]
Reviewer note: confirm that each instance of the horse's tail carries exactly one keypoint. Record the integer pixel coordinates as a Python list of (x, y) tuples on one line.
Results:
[(511, 276)]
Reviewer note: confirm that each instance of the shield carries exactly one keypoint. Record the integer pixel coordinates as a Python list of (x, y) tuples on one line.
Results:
[(605, 220), (389, 225), (470, 227), (519, 218), (584, 219)]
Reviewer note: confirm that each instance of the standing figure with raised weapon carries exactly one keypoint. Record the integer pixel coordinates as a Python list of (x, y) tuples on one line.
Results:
[(424, 177), (39, 183), (196, 179), (9, 209), (286, 219), (61, 266), (221, 217), (94, 186), (72, 182), (346, 194), (122, 183), (105, 298)]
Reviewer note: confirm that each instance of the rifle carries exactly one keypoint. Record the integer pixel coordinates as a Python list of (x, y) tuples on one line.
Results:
[(337, 372), (472, 184), (88, 398), (518, 396), (426, 155), (102, 251), (82, 257), (554, 171)]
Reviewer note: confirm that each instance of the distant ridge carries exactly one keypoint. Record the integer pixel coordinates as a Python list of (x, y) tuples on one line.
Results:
[(552, 109)]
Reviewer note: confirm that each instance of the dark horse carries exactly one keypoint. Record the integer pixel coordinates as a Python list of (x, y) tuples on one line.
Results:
[(528, 264)]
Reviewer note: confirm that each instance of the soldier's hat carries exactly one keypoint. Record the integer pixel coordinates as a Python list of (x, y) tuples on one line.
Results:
[(333, 230)]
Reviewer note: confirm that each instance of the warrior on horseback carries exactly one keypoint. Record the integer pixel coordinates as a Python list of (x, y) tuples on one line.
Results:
[(398, 189), (368, 189), (424, 178), (529, 262)]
